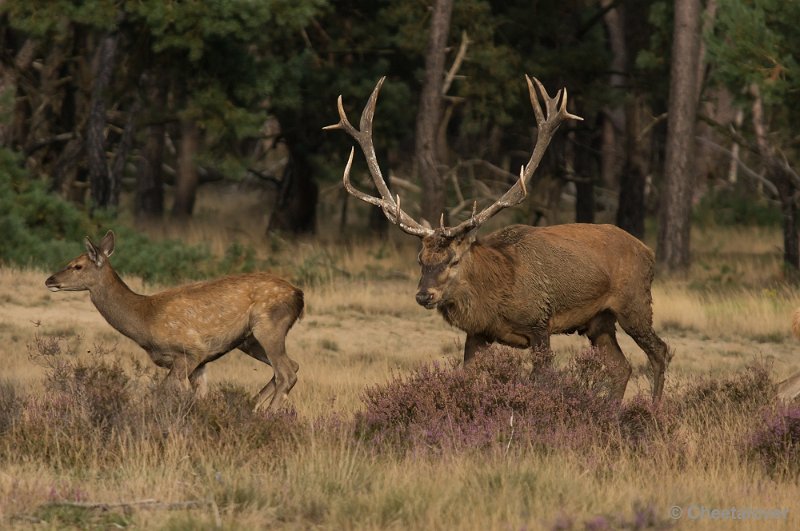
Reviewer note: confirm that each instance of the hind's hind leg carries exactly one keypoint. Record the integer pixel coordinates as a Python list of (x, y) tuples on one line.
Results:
[(601, 331), (268, 344)]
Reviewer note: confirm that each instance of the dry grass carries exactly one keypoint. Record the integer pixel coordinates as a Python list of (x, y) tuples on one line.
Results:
[(361, 328)]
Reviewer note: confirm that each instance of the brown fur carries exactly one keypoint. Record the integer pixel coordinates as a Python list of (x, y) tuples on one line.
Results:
[(185, 328), (521, 284)]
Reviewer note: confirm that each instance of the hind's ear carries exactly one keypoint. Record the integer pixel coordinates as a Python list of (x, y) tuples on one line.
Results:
[(92, 252), (107, 244)]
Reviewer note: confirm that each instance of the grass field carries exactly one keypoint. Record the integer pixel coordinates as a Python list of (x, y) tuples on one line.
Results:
[(363, 328)]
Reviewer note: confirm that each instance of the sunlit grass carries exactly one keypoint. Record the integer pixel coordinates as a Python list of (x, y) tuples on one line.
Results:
[(362, 327)]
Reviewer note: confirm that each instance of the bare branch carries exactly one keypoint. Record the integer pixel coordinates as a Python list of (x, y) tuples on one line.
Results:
[(462, 52), (749, 172)]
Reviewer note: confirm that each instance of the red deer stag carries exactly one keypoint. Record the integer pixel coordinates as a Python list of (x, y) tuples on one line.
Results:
[(520, 284), (185, 328)]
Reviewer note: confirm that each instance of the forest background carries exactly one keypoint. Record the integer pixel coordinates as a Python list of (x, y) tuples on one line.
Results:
[(126, 109), (194, 131)]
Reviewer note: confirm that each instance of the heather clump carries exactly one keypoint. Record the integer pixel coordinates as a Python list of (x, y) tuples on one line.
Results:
[(745, 391), (775, 444), (641, 423), (93, 411), (506, 396)]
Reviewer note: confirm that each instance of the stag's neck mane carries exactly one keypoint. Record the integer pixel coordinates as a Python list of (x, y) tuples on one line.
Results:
[(486, 278), (124, 309)]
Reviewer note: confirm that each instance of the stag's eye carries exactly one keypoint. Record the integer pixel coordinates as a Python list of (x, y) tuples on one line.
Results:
[(454, 263)]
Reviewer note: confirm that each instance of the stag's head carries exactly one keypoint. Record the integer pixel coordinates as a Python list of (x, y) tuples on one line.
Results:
[(445, 250), (441, 260), (85, 271)]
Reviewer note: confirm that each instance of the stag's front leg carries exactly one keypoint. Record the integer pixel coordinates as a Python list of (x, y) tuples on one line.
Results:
[(475, 344)]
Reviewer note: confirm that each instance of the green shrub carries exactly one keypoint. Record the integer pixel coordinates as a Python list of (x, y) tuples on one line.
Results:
[(732, 206), (40, 229)]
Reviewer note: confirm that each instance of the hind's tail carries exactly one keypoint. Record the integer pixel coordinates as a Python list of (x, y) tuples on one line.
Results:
[(299, 304)]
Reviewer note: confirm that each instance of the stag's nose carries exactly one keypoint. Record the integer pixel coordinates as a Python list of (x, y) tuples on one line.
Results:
[(424, 298)]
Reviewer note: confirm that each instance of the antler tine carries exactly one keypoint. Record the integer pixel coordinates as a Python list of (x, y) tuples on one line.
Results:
[(537, 108), (563, 108), (369, 109), (397, 210), (343, 123)]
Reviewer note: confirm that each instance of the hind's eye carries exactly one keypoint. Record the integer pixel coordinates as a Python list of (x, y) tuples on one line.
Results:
[(78, 267)]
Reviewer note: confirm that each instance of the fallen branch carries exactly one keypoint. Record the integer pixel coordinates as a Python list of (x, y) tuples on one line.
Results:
[(154, 505)]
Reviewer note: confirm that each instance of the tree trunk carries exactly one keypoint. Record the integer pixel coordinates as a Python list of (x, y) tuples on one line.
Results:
[(631, 208), (584, 177), (786, 193), (781, 178), (295, 209), (149, 180), (430, 112), (676, 199), (613, 125), (187, 177), (102, 68), (18, 132)]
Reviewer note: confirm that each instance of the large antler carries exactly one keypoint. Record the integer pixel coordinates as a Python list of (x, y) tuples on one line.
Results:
[(390, 206), (547, 123)]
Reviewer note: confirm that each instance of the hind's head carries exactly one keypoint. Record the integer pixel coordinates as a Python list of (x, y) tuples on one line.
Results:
[(86, 270)]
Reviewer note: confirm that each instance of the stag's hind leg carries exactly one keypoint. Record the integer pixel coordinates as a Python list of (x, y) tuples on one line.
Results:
[(640, 328), (602, 333)]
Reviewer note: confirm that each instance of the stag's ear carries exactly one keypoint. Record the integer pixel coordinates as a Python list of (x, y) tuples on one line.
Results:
[(425, 223), (107, 244), (471, 236), (92, 252)]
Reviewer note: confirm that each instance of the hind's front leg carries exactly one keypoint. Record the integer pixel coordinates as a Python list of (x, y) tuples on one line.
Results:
[(199, 382), (177, 380)]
